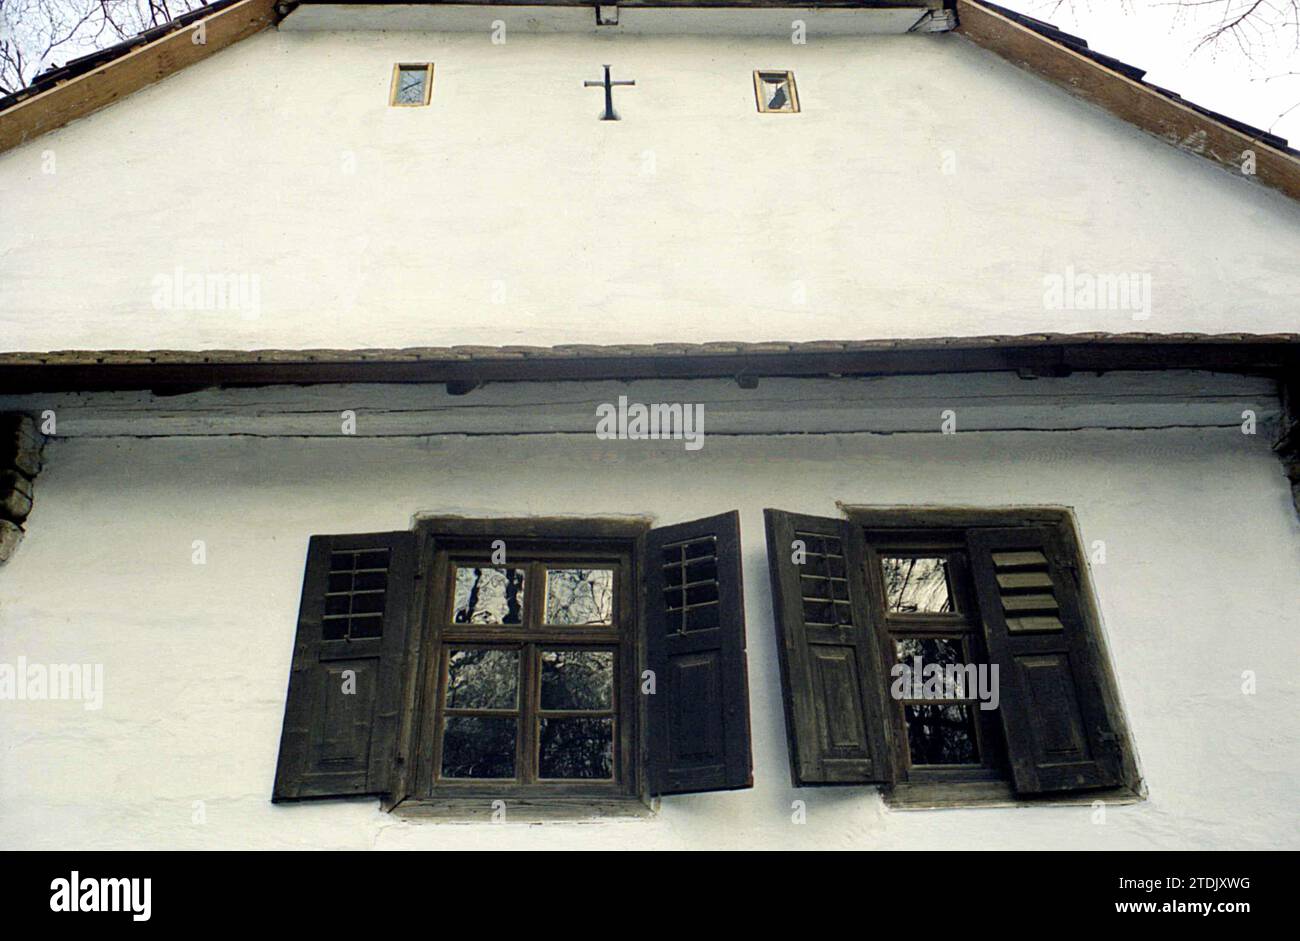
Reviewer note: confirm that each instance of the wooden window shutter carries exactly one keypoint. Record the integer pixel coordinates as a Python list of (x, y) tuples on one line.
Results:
[(341, 718), (1052, 688), (699, 738), (832, 681)]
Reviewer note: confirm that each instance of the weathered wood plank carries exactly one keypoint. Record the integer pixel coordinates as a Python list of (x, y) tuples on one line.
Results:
[(1184, 127), (152, 62), (989, 402)]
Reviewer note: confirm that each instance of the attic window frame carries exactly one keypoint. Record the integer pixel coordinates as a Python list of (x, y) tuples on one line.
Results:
[(794, 107), (397, 75)]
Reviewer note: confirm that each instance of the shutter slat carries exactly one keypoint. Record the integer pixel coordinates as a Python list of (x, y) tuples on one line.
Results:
[(1014, 604), (699, 714), (1014, 560), (1060, 735), (341, 714), (831, 678), (1015, 580)]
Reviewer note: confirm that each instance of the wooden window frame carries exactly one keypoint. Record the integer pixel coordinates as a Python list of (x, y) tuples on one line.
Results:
[(428, 85), (936, 529), (536, 544), (758, 91), (963, 623)]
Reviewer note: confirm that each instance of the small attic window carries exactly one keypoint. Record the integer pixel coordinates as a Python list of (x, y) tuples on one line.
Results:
[(412, 84), (776, 92)]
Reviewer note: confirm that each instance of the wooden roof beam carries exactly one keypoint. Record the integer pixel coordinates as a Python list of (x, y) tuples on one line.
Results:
[(117, 78)]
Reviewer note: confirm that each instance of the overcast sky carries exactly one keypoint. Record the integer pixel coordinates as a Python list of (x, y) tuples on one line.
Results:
[(1159, 36)]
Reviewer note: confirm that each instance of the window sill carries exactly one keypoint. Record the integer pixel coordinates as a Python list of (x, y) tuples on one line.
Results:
[(526, 810), (952, 796)]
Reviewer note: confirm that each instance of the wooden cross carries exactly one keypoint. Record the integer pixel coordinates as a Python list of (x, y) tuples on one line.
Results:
[(608, 85)]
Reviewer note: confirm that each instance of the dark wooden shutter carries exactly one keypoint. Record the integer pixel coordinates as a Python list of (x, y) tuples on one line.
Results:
[(1051, 685), (353, 617), (832, 682), (695, 644)]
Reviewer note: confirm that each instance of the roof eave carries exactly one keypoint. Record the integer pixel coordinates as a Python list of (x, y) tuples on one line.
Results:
[(1033, 355), (1189, 128)]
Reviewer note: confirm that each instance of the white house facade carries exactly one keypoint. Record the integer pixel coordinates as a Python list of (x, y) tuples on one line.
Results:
[(410, 441)]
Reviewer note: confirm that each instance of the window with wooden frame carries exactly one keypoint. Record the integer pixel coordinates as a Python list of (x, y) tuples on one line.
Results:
[(991, 607), (775, 92), (532, 669), (549, 661), (412, 85)]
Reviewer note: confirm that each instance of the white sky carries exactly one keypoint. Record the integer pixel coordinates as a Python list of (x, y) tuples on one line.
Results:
[(1159, 36)]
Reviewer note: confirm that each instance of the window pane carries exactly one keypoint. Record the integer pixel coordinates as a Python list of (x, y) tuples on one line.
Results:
[(579, 596), (488, 596), (478, 747), (576, 748), (577, 679), (410, 84), (941, 735), (940, 650), (775, 92), (482, 679), (915, 585)]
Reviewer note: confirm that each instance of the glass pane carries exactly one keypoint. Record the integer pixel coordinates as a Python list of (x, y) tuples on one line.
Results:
[(478, 747), (576, 748), (577, 679), (776, 94), (488, 596), (916, 585), (941, 735), (940, 650), (410, 85), (482, 679), (579, 596)]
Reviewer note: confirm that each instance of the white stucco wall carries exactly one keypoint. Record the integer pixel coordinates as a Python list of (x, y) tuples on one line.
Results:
[(506, 213), (1200, 583)]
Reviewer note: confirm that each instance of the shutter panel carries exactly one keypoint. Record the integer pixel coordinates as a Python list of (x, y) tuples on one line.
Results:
[(831, 676), (1051, 686), (695, 644), (340, 728)]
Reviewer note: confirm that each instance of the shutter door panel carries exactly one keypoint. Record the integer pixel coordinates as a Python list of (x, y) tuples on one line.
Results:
[(830, 673), (695, 644), (1051, 702), (342, 713)]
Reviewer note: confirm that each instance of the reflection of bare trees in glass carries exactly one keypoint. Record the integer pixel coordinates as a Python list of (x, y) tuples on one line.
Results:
[(579, 596), (410, 84), (941, 735), (482, 679), (576, 748), (913, 585), (488, 596), (577, 679)]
